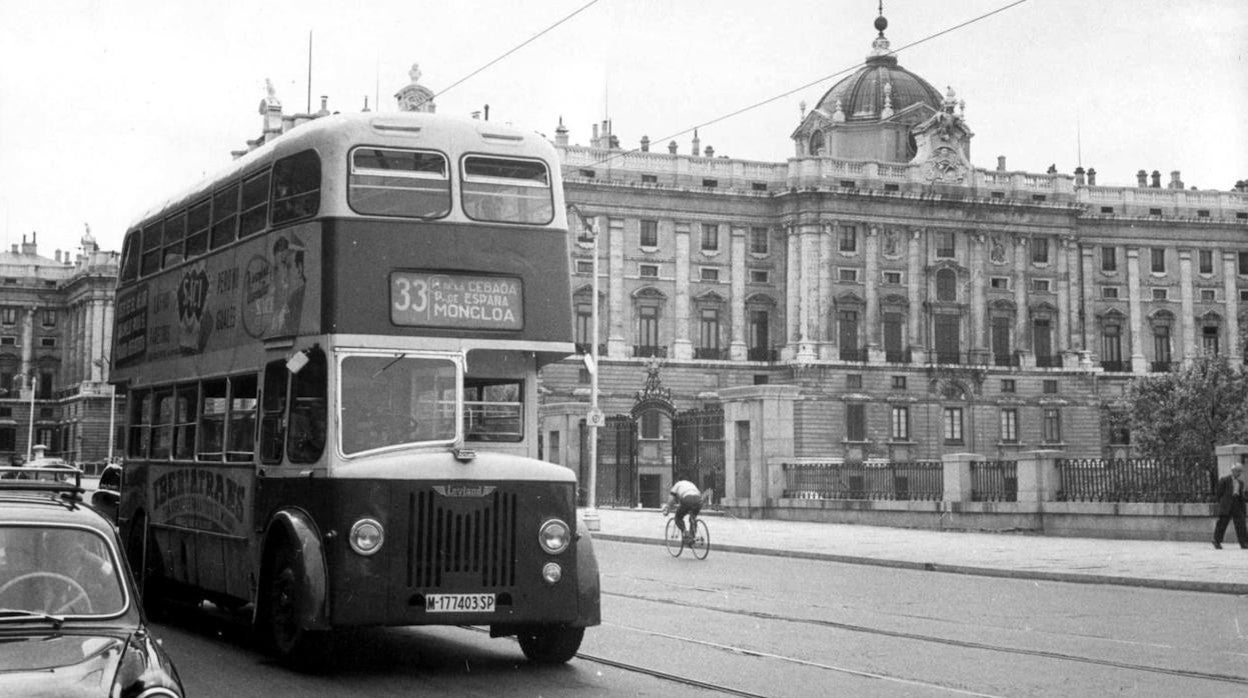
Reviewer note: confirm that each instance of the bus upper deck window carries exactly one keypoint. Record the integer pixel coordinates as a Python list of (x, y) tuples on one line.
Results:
[(392, 182), (296, 187), (507, 190)]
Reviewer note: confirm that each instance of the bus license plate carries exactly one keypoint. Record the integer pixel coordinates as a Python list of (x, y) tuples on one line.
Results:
[(459, 603)]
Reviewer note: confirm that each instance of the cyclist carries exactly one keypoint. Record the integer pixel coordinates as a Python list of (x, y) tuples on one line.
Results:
[(686, 499)]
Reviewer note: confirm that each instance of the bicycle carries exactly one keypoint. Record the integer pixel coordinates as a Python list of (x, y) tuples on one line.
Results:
[(701, 545)]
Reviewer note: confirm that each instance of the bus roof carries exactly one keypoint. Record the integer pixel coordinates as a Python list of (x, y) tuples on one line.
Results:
[(403, 127)]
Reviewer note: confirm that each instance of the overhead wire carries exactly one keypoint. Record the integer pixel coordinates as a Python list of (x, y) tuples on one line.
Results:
[(519, 46), (812, 83)]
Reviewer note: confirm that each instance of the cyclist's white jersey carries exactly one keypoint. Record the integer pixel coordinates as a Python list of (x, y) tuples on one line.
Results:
[(684, 488)]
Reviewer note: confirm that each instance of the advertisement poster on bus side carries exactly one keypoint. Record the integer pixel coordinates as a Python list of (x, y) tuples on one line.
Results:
[(253, 291), (217, 500)]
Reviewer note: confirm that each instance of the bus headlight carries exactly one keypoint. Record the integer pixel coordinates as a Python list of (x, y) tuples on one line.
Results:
[(366, 537), (554, 536), (552, 572)]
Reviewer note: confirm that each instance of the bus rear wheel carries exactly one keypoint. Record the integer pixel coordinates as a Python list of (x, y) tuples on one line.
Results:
[(550, 644), (279, 620)]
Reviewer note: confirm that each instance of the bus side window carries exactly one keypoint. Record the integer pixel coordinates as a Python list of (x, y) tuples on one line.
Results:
[(212, 420), (296, 187), (273, 412), (307, 410), (242, 430)]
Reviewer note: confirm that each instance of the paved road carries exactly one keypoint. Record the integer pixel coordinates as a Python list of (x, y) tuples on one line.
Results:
[(783, 626)]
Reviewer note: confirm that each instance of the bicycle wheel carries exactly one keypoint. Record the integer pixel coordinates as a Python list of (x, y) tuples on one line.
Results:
[(701, 541), (672, 538)]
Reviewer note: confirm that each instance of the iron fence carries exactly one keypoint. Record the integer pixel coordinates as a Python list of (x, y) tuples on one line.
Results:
[(994, 481), (1137, 480), (871, 479)]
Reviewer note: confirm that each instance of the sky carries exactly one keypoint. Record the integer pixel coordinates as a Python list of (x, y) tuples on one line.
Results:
[(109, 106)]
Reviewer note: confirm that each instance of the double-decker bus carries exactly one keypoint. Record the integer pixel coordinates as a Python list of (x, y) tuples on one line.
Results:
[(331, 352)]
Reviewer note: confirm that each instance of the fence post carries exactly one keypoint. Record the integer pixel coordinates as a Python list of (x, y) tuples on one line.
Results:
[(1038, 478), (958, 483), (1230, 455)]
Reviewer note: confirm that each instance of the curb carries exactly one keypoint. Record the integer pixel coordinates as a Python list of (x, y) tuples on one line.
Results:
[(1071, 577)]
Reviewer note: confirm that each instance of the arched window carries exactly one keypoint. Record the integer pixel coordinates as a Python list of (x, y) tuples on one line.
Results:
[(816, 143)]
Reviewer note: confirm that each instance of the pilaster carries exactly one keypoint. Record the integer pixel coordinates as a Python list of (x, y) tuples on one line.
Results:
[(1138, 364), (617, 307), (871, 287), (1230, 303), (1187, 308), (682, 348), (914, 288), (737, 348)]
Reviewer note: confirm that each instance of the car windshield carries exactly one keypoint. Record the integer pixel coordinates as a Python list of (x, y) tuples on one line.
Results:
[(394, 399), (60, 571)]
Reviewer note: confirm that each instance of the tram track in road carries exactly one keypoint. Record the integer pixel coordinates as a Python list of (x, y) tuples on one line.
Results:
[(919, 637)]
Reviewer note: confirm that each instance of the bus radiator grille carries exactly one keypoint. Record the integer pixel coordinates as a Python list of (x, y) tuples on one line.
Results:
[(462, 538)]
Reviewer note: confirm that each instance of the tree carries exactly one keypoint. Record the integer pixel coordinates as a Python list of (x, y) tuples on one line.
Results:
[(1190, 412)]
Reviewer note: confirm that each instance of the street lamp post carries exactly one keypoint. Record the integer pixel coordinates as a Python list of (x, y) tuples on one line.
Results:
[(594, 419), (30, 431), (102, 363)]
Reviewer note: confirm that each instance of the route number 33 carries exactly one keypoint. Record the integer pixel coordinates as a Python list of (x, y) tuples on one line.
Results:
[(411, 294)]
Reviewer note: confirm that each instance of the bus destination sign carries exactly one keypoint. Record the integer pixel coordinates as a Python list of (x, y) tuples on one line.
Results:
[(421, 299)]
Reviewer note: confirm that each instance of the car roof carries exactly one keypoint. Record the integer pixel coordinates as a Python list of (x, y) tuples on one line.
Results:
[(32, 505)]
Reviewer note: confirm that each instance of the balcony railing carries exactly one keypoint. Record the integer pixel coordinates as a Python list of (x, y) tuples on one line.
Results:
[(1048, 361), (1161, 367), (897, 357), (1116, 366), (646, 351), (853, 354), (710, 353), (761, 354)]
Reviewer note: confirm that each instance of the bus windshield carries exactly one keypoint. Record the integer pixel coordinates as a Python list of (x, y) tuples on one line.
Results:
[(395, 399)]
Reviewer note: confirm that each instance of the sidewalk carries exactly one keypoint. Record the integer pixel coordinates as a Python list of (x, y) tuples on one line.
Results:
[(1141, 563)]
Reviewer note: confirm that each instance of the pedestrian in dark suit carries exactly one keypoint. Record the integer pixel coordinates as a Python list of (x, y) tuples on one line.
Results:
[(1230, 497)]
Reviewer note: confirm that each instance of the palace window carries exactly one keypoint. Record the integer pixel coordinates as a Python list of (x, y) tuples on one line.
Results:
[(901, 424), (1158, 257), (848, 239), (1109, 259), (710, 237), (944, 245), (856, 422), (758, 240), (953, 425), (1009, 425), (1040, 250), (1052, 426), (649, 233), (1205, 258)]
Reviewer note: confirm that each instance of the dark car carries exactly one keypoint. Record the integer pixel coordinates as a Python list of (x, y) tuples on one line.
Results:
[(71, 623), (107, 495)]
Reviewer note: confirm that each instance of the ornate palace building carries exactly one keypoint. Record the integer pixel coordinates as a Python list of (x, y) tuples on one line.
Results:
[(56, 324), (884, 296)]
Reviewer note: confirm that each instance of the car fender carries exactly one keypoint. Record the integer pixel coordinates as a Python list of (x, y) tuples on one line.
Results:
[(589, 589), (294, 527)]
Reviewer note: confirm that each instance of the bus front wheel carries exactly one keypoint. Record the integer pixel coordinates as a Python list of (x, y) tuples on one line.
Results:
[(280, 622), (550, 644)]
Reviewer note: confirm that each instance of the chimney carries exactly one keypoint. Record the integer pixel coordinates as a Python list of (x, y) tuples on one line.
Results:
[(15, 248), (1079, 181), (1175, 181), (1156, 179), (645, 144), (1000, 163), (593, 139), (57, 257), (671, 147), (696, 143), (30, 247), (710, 152), (324, 106), (1091, 176), (1141, 179), (487, 112)]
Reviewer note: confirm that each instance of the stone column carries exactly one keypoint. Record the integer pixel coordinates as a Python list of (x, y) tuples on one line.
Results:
[(958, 483), (978, 300), (1138, 364), (1187, 308), (827, 334), (28, 342), (682, 348), (914, 288), (1089, 298), (809, 290), (1231, 304), (737, 348), (871, 288), (618, 308), (793, 282), (1022, 337), (1063, 296)]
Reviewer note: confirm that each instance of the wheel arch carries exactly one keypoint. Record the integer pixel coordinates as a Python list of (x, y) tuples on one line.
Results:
[(589, 590), (294, 528)]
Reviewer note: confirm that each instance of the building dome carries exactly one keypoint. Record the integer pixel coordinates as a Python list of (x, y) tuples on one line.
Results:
[(862, 94)]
